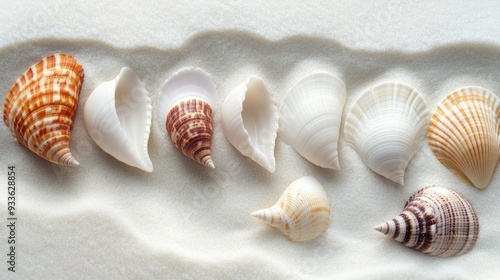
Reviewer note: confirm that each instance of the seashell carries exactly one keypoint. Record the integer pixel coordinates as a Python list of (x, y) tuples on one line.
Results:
[(117, 116), (250, 121), (310, 118), (386, 126), (436, 221), (464, 134), (40, 107), (185, 103), (302, 213)]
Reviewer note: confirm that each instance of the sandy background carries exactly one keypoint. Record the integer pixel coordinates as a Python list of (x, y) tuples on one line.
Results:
[(107, 220)]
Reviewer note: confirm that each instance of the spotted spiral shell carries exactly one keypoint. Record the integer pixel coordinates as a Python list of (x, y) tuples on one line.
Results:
[(436, 221), (41, 106), (185, 105), (189, 125)]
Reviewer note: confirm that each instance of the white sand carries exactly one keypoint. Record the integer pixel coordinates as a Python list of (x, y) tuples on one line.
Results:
[(106, 220)]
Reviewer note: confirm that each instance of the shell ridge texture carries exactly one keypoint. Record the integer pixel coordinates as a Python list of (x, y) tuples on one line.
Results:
[(40, 107)]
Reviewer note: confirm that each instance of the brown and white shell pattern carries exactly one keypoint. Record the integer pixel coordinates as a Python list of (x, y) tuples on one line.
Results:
[(40, 107), (302, 213), (436, 221), (186, 103), (464, 134)]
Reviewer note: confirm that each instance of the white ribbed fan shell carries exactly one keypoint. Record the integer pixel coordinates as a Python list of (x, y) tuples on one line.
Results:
[(302, 213), (464, 134), (386, 127), (250, 121), (310, 118), (117, 116)]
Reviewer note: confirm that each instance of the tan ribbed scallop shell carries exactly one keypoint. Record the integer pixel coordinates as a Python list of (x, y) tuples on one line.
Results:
[(185, 102), (41, 106), (302, 213), (435, 221), (464, 134)]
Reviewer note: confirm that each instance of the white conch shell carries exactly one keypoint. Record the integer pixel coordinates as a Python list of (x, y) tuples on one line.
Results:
[(185, 106), (310, 118), (464, 134), (386, 126), (250, 121), (436, 221), (117, 116), (302, 213)]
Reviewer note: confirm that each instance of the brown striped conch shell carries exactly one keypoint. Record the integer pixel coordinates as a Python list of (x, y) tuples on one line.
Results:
[(41, 106), (186, 102), (302, 213), (464, 134), (436, 221)]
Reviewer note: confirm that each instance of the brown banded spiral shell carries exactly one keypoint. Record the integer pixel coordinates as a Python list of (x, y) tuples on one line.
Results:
[(186, 103), (40, 107), (436, 221)]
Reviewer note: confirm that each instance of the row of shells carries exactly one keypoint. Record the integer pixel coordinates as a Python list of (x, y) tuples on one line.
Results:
[(435, 220), (386, 125)]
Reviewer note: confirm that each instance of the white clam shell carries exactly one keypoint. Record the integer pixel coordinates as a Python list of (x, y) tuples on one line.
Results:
[(250, 122), (310, 118), (302, 213), (117, 116), (386, 126), (187, 83)]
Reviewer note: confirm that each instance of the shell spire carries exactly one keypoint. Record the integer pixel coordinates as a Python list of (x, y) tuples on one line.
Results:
[(186, 103), (435, 221), (272, 216), (464, 134), (302, 213), (40, 107)]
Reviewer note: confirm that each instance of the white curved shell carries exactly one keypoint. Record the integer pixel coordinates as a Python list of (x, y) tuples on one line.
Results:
[(117, 116), (250, 121), (310, 118), (186, 83), (386, 127), (302, 213)]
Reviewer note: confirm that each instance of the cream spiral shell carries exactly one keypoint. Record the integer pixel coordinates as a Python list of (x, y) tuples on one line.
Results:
[(435, 221), (302, 212), (40, 107)]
